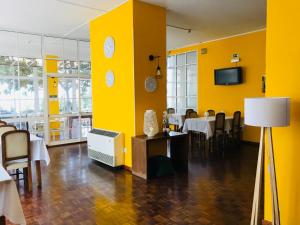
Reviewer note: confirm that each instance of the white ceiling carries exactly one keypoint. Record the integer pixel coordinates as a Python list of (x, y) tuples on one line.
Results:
[(208, 19)]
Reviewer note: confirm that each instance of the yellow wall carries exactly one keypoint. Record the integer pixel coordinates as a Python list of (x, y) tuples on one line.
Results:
[(113, 108), (149, 38), (283, 49), (139, 30), (251, 48)]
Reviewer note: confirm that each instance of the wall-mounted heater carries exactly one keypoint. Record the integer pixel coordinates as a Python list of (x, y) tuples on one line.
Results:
[(106, 147)]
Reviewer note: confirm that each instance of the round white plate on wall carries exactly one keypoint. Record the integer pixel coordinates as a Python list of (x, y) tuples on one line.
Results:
[(150, 84), (109, 47), (110, 78)]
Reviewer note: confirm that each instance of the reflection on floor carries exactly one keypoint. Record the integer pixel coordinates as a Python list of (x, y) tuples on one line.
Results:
[(216, 191)]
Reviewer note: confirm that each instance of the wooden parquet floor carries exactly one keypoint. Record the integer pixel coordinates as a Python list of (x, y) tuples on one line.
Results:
[(216, 191)]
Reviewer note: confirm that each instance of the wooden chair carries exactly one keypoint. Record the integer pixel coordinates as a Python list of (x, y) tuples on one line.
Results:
[(6, 128), (170, 110), (193, 114), (211, 112), (16, 153), (219, 132), (2, 123), (187, 113), (235, 132)]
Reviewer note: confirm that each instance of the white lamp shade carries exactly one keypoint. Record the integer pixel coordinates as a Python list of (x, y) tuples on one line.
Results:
[(267, 112)]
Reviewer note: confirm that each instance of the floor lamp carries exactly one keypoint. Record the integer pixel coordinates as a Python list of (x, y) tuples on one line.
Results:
[(266, 113)]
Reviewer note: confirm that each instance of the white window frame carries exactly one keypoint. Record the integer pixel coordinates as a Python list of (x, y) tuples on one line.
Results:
[(185, 65)]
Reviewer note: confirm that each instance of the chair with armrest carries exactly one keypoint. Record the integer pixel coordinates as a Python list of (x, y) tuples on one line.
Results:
[(16, 153)]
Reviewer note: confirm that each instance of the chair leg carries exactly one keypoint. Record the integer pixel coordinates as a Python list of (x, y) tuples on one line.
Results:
[(29, 177)]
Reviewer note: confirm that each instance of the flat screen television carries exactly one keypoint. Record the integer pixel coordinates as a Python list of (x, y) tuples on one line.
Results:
[(229, 76)]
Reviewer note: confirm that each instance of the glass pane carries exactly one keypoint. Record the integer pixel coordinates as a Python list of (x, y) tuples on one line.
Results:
[(8, 65), (40, 92), (58, 129), (26, 107), (192, 103), (85, 88), (181, 74), (86, 105), (86, 125), (192, 73), (192, 89), (171, 75), (68, 95), (191, 58), (67, 67), (171, 89), (30, 67), (181, 101), (85, 68), (171, 102), (181, 89), (7, 108), (181, 59), (172, 61)]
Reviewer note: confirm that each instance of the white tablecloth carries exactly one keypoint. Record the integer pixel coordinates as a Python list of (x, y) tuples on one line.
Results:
[(176, 119), (205, 125), (10, 205), (39, 151)]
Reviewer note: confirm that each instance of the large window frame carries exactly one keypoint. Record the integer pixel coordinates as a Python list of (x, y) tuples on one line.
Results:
[(31, 90), (182, 80)]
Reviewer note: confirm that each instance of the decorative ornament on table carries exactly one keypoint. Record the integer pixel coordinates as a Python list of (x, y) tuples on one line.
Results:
[(166, 128), (150, 123), (206, 114)]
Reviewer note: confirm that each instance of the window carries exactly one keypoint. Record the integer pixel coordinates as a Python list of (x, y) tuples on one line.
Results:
[(182, 82), (25, 103)]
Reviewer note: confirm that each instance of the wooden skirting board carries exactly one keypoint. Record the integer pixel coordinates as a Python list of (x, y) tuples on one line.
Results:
[(265, 222)]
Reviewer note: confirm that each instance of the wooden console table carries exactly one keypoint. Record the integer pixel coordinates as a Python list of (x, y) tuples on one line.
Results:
[(144, 147)]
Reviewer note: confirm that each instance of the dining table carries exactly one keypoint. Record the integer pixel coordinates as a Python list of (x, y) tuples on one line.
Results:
[(205, 125), (10, 205), (39, 153)]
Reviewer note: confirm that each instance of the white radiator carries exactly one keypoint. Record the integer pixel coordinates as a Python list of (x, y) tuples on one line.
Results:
[(106, 147)]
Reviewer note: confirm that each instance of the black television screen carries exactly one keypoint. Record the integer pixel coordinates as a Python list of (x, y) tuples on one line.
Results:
[(228, 76)]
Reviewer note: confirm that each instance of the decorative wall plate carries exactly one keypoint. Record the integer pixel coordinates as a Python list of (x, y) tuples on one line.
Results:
[(150, 84), (109, 47), (109, 78)]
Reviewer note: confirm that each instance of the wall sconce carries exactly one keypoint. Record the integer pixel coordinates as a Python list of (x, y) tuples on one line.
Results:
[(158, 69)]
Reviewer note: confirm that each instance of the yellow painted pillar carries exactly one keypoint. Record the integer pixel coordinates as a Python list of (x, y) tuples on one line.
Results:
[(138, 30)]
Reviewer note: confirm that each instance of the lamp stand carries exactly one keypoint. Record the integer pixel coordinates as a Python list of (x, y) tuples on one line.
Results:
[(256, 207)]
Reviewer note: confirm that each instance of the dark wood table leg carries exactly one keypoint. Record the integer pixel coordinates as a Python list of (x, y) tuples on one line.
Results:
[(38, 173), (2, 220)]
